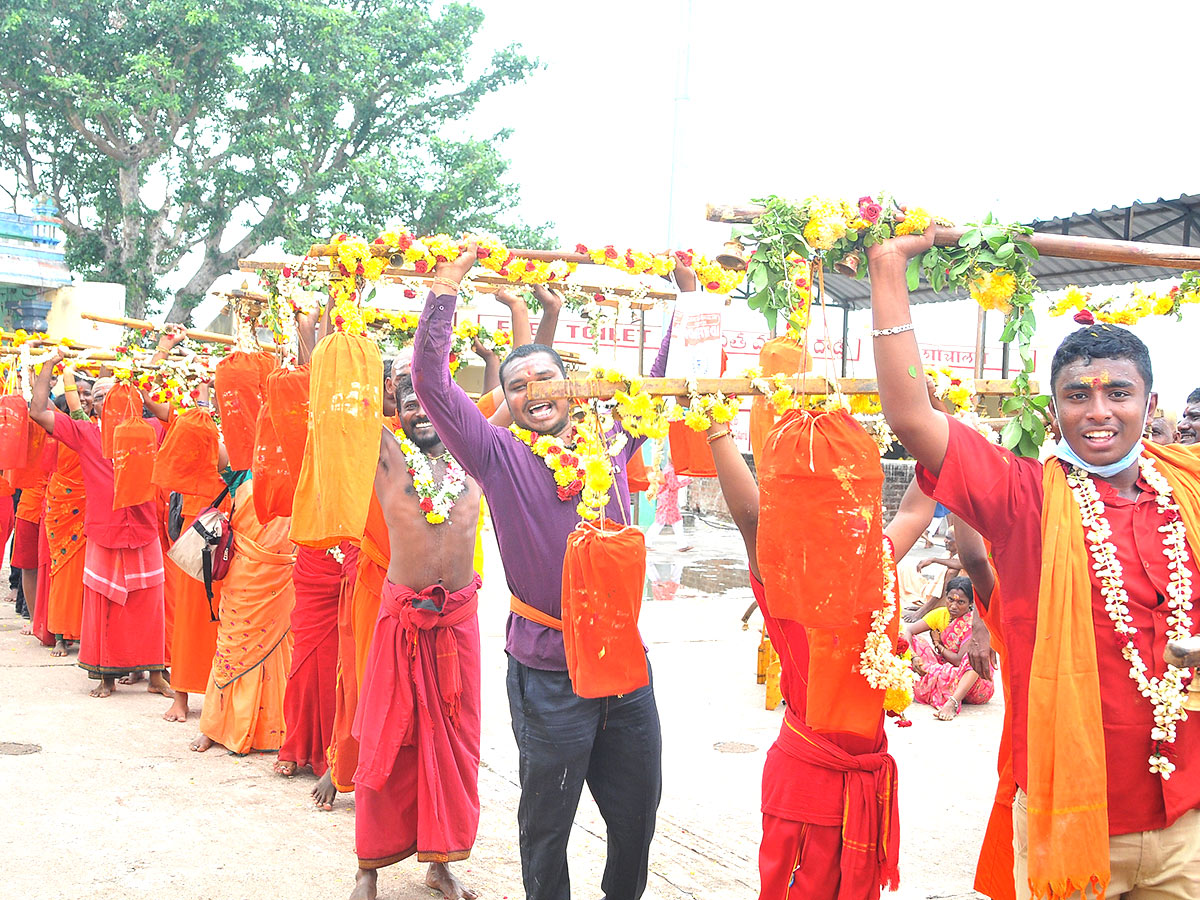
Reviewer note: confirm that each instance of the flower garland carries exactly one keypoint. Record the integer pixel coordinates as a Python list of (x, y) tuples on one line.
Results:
[(436, 502), (1131, 310), (584, 470), (954, 390), (880, 663), (1167, 693)]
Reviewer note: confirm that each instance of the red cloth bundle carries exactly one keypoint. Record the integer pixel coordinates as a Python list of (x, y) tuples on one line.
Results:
[(135, 445), (240, 382)]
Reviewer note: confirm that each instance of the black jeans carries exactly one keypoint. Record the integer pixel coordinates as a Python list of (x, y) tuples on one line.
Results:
[(615, 745)]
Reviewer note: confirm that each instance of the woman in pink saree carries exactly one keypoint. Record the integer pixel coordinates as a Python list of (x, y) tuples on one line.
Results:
[(945, 679)]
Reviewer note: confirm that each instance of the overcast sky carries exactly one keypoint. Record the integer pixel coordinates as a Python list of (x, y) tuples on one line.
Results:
[(1029, 110)]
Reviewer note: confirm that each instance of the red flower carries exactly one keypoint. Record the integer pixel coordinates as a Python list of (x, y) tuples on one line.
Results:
[(342, 268), (195, 392), (574, 487), (862, 201), (1085, 317), (412, 471), (422, 266), (377, 241), (341, 237), (453, 357), (426, 504), (509, 258), (610, 252), (441, 258), (712, 286), (359, 270), (409, 293), (339, 321), (598, 297), (530, 266), (581, 248), (405, 241), (870, 212), (685, 257), (901, 645), (287, 271), (563, 494), (503, 271), (569, 459), (482, 252)]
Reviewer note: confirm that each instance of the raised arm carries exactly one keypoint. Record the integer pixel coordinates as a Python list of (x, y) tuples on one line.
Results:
[(71, 393), (898, 365), (171, 337), (739, 487), (306, 335), (491, 366), (518, 312), (911, 520), (551, 307), (39, 403), (459, 423)]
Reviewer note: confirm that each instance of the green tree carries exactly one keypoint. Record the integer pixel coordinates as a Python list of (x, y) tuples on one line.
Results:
[(168, 131)]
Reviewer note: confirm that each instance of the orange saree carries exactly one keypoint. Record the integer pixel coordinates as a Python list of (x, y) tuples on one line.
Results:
[(243, 708), (65, 504)]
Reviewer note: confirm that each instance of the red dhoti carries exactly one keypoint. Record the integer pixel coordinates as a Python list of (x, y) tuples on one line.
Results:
[(848, 859), (123, 628), (418, 729), (308, 703)]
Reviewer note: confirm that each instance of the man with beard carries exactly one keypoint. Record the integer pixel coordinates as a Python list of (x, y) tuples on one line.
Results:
[(612, 743), (417, 721), (1189, 422)]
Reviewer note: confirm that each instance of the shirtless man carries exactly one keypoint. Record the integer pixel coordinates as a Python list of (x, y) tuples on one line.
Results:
[(417, 721)]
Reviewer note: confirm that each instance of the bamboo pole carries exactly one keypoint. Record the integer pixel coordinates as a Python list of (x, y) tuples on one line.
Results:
[(210, 337), (541, 255), (557, 389), (488, 284), (1062, 246)]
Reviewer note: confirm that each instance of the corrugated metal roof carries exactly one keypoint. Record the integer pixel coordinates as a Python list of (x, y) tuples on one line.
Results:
[(1162, 221)]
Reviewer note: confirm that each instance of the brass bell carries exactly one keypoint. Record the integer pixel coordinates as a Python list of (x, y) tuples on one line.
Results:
[(733, 256), (848, 264)]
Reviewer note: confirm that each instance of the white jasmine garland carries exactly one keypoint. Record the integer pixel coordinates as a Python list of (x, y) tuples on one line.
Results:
[(436, 503), (878, 662), (1167, 693)]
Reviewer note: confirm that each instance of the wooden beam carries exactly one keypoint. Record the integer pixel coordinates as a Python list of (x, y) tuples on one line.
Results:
[(678, 387), (489, 284), (570, 256), (1062, 246), (211, 337)]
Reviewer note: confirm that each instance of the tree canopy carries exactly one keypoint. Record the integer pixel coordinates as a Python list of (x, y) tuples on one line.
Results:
[(165, 128)]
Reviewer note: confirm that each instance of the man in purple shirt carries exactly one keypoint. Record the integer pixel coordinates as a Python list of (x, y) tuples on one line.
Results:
[(612, 743)]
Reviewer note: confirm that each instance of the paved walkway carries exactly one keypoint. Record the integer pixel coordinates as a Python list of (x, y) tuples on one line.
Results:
[(114, 805)]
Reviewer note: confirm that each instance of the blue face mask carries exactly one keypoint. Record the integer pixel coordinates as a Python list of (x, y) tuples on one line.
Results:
[(1064, 452)]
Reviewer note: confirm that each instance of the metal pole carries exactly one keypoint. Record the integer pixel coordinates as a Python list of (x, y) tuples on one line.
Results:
[(845, 337)]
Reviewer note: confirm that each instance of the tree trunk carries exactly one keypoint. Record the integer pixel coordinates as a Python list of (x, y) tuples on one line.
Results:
[(189, 296)]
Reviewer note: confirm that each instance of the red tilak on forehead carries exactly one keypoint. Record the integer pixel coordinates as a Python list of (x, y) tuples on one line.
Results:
[(1096, 383)]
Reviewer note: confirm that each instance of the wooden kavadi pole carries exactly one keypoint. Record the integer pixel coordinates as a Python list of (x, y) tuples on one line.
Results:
[(678, 387), (1064, 246)]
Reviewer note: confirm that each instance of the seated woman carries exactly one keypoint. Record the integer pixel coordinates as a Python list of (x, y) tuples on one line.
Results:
[(946, 679)]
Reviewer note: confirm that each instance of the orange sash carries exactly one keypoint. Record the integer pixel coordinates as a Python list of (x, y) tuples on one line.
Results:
[(1068, 778), (532, 613)]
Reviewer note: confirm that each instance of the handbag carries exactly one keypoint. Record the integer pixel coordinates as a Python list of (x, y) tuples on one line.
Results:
[(205, 550), (174, 516)]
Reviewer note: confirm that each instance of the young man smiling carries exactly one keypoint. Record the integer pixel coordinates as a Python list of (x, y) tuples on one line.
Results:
[(612, 743), (1096, 557)]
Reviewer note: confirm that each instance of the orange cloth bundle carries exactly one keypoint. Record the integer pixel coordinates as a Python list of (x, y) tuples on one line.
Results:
[(38, 461), (287, 404), (604, 574), (14, 432), (187, 460), (274, 486), (635, 471), (135, 445), (820, 532), (690, 453), (120, 403), (240, 382), (779, 356), (337, 477)]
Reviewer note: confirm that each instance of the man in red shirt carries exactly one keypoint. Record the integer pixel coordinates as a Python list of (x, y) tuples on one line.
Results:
[(1100, 385), (124, 627)]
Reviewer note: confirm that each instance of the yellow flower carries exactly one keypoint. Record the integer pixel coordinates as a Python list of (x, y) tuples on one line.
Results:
[(897, 700), (727, 411), (696, 420), (993, 290), (562, 477), (434, 518), (374, 267), (915, 222)]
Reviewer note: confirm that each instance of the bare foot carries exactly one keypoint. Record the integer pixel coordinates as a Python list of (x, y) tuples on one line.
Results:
[(103, 689), (179, 709), (131, 678), (948, 711), (323, 795), (364, 884), (159, 685), (60, 648), (284, 767), (201, 743), (27, 629), (440, 878)]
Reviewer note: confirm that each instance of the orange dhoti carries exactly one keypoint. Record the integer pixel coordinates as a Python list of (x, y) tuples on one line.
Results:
[(65, 499), (243, 707), (194, 632)]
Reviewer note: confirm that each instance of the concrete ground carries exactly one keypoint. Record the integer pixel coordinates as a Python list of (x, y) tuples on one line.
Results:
[(114, 805)]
